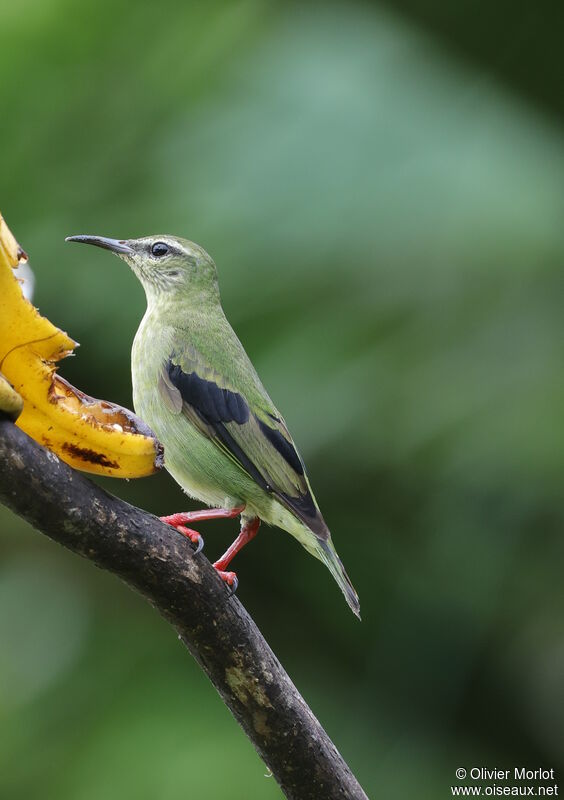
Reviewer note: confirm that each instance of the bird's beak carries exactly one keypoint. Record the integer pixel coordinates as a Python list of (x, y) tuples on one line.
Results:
[(118, 246)]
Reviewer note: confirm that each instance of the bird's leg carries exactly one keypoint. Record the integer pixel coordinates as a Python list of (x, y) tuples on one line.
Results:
[(248, 531), (179, 521), (204, 513)]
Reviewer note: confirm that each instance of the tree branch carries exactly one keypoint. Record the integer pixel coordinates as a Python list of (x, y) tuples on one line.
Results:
[(159, 563)]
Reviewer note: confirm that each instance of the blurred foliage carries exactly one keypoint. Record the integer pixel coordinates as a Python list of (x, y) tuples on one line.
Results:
[(383, 195)]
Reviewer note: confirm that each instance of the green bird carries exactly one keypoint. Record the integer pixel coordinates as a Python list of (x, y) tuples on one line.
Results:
[(225, 442)]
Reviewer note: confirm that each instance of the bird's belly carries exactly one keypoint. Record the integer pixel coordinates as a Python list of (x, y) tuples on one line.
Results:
[(193, 460)]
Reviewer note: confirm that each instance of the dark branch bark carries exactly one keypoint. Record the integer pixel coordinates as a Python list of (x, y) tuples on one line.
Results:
[(214, 626)]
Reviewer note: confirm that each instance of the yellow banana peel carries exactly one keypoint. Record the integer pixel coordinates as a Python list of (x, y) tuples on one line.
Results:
[(11, 403), (91, 435)]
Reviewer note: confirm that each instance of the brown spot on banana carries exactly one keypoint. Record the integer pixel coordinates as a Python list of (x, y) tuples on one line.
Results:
[(90, 456)]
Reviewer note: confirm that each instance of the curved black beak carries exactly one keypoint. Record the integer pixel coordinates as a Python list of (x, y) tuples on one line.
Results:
[(118, 246)]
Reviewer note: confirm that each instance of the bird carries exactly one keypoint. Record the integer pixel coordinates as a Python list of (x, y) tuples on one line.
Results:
[(225, 442)]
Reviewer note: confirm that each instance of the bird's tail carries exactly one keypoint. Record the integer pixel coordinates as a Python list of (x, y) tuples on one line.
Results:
[(326, 552)]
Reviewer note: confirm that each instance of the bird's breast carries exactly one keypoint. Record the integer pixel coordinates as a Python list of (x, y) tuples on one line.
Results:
[(150, 350)]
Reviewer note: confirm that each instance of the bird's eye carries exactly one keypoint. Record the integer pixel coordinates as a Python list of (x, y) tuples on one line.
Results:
[(159, 249)]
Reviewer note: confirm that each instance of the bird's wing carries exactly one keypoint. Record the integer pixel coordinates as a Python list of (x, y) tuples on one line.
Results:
[(244, 424)]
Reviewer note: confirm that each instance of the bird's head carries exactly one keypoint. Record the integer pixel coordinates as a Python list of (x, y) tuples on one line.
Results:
[(165, 265)]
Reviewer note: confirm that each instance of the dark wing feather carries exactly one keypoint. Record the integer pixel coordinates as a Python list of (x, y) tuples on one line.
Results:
[(285, 448), (258, 442)]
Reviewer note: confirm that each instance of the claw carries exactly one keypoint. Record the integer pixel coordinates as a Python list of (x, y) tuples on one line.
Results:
[(195, 537), (230, 578)]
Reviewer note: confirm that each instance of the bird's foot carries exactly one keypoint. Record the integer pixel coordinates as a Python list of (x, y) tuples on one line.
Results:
[(178, 521), (248, 532), (195, 537), (230, 578)]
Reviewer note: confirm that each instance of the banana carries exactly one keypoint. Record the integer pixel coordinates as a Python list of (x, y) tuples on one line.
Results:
[(88, 434), (11, 403)]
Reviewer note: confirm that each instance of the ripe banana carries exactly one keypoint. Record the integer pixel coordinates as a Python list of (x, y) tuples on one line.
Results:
[(91, 435)]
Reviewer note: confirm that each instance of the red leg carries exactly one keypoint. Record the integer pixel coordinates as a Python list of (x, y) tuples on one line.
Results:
[(178, 521), (248, 532), (205, 513)]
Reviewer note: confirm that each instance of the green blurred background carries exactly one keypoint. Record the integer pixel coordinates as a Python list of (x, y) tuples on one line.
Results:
[(382, 188)]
